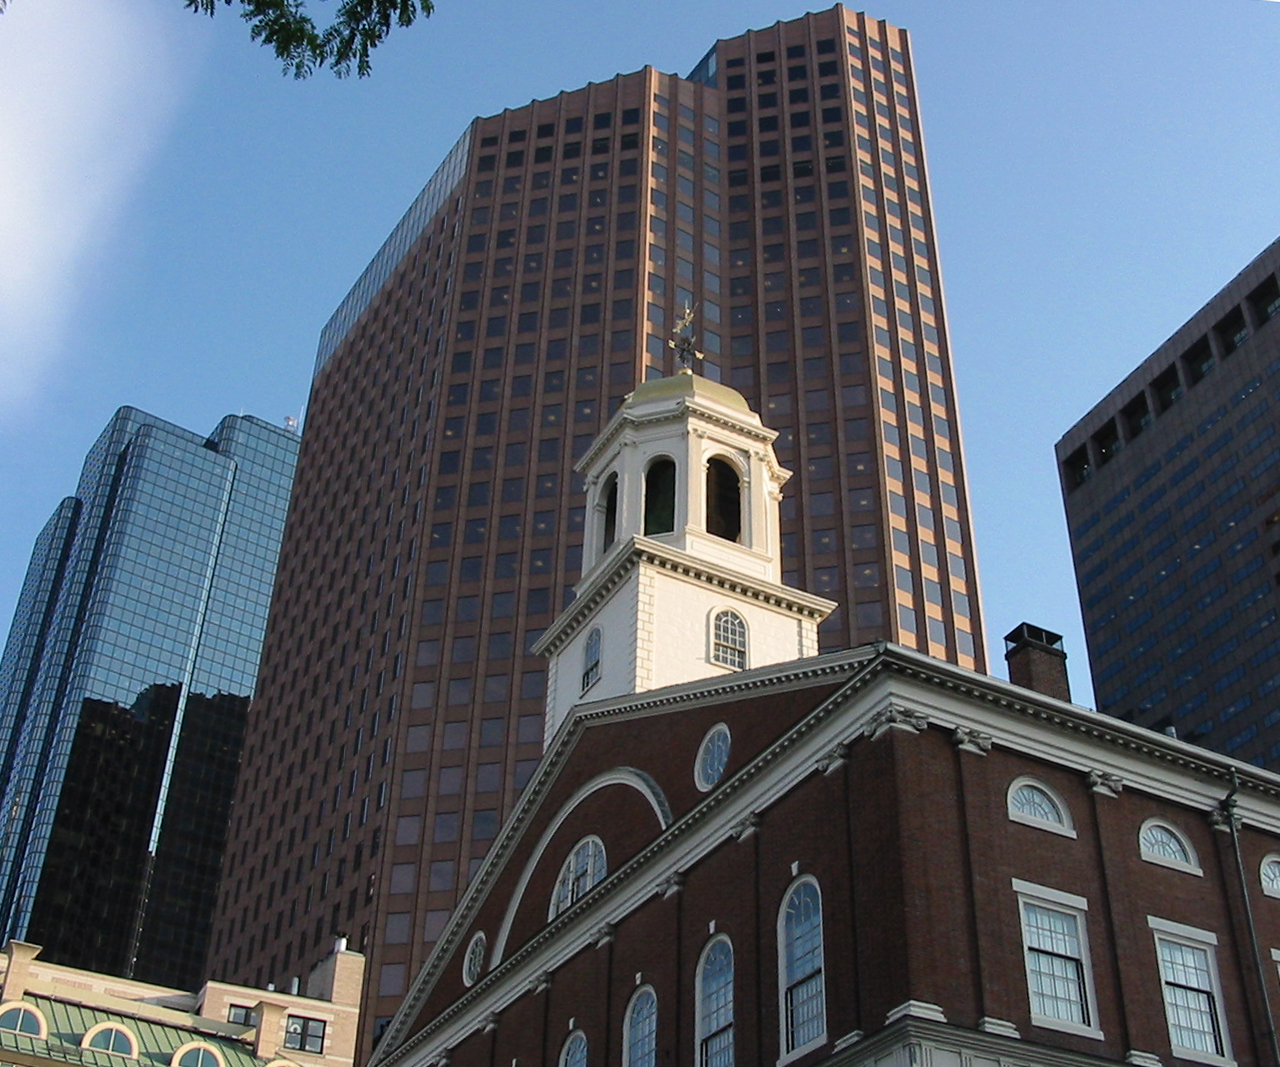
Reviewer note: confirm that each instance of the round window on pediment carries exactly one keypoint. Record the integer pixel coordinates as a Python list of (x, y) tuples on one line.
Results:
[(473, 961), (713, 757)]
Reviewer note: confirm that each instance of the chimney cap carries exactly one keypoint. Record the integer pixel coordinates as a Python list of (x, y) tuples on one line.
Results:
[(1025, 634)]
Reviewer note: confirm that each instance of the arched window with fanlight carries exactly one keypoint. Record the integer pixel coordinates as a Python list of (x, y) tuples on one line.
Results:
[(724, 500), (1034, 803), (574, 1052), (112, 1038), (1269, 873), (584, 869), (591, 659), (196, 1054), (21, 1018), (801, 977), (1161, 843), (729, 640), (609, 524), (640, 1030), (714, 1007), (660, 497)]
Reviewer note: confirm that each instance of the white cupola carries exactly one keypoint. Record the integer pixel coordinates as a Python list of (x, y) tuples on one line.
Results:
[(681, 565)]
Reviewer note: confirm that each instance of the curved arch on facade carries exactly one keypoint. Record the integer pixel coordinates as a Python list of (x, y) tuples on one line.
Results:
[(660, 477), (195, 1046), (120, 1028), (628, 776), (728, 637), (1161, 842), (724, 483), (22, 1007), (640, 1028), (798, 1028), (1061, 824), (282, 1063)]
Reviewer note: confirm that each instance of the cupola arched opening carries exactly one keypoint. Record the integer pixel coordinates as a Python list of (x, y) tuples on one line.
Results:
[(724, 500), (609, 500), (660, 497)]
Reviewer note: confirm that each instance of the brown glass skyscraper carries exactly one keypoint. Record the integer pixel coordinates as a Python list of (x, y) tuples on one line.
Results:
[(437, 522)]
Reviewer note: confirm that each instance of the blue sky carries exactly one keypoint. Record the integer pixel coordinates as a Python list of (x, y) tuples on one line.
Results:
[(178, 220)]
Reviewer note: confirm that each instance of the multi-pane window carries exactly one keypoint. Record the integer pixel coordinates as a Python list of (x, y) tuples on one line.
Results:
[(584, 868), (1033, 803), (640, 1037), (1056, 954), (111, 1039), (1192, 994), (304, 1034), (21, 1020), (591, 660), (713, 757), (800, 957), (729, 640), (715, 1005), (1055, 966), (574, 1053), (1160, 843), (1270, 875)]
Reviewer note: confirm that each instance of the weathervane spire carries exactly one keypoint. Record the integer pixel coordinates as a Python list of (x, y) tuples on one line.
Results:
[(682, 338)]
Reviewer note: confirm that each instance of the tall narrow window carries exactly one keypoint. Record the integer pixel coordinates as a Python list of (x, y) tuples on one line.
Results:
[(1056, 952), (584, 868), (715, 1005), (1192, 993), (729, 640), (660, 497), (610, 498), (804, 1016), (640, 1040), (724, 500), (591, 660), (574, 1053)]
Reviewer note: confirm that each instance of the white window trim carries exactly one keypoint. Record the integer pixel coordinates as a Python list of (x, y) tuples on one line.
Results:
[(703, 785), (567, 866), (470, 978), (626, 1022), (587, 665), (1164, 861), (94, 1031), (698, 1021), (716, 612), (1167, 930), (1270, 857), (564, 1049), (1066, 828), (1030, 892), (39, 1015), (781, 933)]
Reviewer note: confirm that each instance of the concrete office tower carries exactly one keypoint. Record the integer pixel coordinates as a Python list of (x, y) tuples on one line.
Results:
[(124, 689), (437, 526), (1172, 491)]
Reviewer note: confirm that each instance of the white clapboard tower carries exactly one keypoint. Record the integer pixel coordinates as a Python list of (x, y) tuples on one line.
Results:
[(681, 565)]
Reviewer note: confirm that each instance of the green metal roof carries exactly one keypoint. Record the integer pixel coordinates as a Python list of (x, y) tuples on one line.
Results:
[(157, 1042)]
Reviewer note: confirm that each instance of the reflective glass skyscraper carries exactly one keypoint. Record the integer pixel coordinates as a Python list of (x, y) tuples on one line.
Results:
[(124, 688)]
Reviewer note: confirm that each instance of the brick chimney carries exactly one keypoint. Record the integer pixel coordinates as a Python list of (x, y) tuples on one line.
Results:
[(1037, 661)]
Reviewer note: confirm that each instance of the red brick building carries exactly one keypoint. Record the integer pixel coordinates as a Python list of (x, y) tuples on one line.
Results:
[(1001, 877), (868, 857)]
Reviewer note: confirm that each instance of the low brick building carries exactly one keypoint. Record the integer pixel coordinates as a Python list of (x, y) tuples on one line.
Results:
[(868, 857)]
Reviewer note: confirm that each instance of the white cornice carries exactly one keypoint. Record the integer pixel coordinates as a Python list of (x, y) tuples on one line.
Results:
[(644, 551), (883, 684)]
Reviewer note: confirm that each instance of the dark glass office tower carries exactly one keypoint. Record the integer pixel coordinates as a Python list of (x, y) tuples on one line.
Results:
[(1172, 492), (437, 523), (124, 689)]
